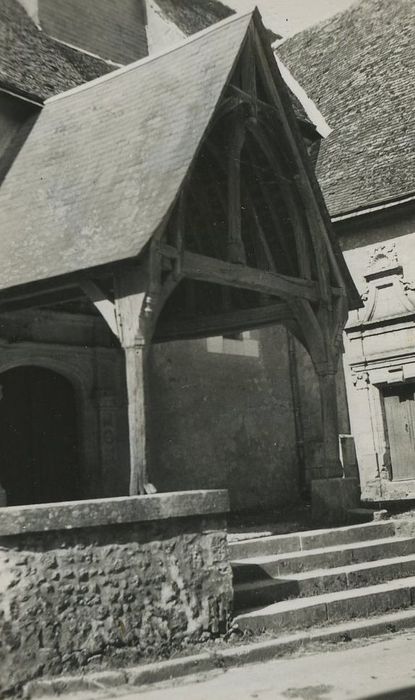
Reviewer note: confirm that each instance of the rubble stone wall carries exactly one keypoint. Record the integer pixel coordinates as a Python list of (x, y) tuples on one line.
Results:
[(110, 594)]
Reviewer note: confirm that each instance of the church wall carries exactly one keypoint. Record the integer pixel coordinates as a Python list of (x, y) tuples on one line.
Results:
[(221, 412), (222, 420), (310, 411), (68, 345)]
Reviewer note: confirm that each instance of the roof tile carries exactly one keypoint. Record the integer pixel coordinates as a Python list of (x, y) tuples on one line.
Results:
[(359, 68), (33, 64)]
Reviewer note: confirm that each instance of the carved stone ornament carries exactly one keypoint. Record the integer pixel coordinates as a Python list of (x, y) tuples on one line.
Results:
[(361, 380), (383, 258), (388, 294)]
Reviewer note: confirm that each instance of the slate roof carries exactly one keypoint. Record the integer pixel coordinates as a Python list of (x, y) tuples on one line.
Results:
[(359, 68), (191, 16), (36, 66), (104, 162)]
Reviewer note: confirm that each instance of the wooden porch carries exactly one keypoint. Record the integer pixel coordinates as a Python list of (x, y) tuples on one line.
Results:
[(244, 242)]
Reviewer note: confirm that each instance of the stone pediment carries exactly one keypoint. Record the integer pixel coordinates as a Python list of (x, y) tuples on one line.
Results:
[(388, 294)]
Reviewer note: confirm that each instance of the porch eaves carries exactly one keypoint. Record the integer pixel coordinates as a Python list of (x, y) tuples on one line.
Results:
[(104, 162)]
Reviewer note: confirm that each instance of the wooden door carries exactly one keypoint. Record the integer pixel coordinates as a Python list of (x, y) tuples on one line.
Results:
[(399, 406)]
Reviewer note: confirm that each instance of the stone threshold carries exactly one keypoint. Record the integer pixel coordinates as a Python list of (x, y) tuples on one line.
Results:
[(222, 659)]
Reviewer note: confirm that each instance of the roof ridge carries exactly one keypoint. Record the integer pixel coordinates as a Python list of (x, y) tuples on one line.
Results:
[(153, 57)]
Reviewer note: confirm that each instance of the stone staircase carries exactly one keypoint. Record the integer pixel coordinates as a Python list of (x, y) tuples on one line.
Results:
[(322, 578)]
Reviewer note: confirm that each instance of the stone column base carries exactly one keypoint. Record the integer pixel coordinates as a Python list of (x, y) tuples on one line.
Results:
[(331, 499)]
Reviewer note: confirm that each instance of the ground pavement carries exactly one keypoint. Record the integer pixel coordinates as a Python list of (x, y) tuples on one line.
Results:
[(383, 669)]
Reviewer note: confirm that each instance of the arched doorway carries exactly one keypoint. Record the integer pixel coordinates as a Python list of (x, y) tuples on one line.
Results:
[(39, 455)]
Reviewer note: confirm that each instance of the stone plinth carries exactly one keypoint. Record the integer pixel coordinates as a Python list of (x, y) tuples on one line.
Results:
[(109, 582)]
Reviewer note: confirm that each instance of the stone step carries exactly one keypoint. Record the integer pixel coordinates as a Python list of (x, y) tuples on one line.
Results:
[(311, 539), (258, 568), (302, 613), (311, 583)]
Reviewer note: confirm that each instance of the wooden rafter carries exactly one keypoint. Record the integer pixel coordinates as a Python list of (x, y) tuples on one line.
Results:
[(104, 305), (300, 234), (306, 191), (236, 251)]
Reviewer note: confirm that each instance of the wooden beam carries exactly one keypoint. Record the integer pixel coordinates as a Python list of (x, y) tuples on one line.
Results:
[(248, 73), (257, 105), (281, 234), (270, 75), (219, 324), (312, 333), (226, 107), (199, 267), (64, 296), (236, 251), (102, 303), (266, 256), (292, 207)]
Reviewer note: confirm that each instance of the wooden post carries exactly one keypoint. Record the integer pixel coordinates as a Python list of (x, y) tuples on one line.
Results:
[(135, 365), (131, 303)]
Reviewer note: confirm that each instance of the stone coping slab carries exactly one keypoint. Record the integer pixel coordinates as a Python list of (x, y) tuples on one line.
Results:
[(17, 520)]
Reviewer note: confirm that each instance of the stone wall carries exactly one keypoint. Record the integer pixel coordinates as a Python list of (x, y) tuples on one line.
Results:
[(81, 349), (110, 582), (310, 410), (223, 418)]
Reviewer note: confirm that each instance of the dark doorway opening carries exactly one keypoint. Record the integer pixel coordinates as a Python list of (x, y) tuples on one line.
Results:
[(39, 451)]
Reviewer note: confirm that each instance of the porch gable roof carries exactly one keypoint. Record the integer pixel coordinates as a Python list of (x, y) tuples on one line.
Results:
[(101, 170), (104, 162)]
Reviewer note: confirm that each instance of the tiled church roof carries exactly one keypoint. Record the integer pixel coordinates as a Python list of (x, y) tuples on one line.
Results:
[(191, 16), (359, 68), (36, 66)]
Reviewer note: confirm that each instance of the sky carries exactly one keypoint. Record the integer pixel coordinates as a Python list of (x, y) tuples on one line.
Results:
[(288, 17)]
